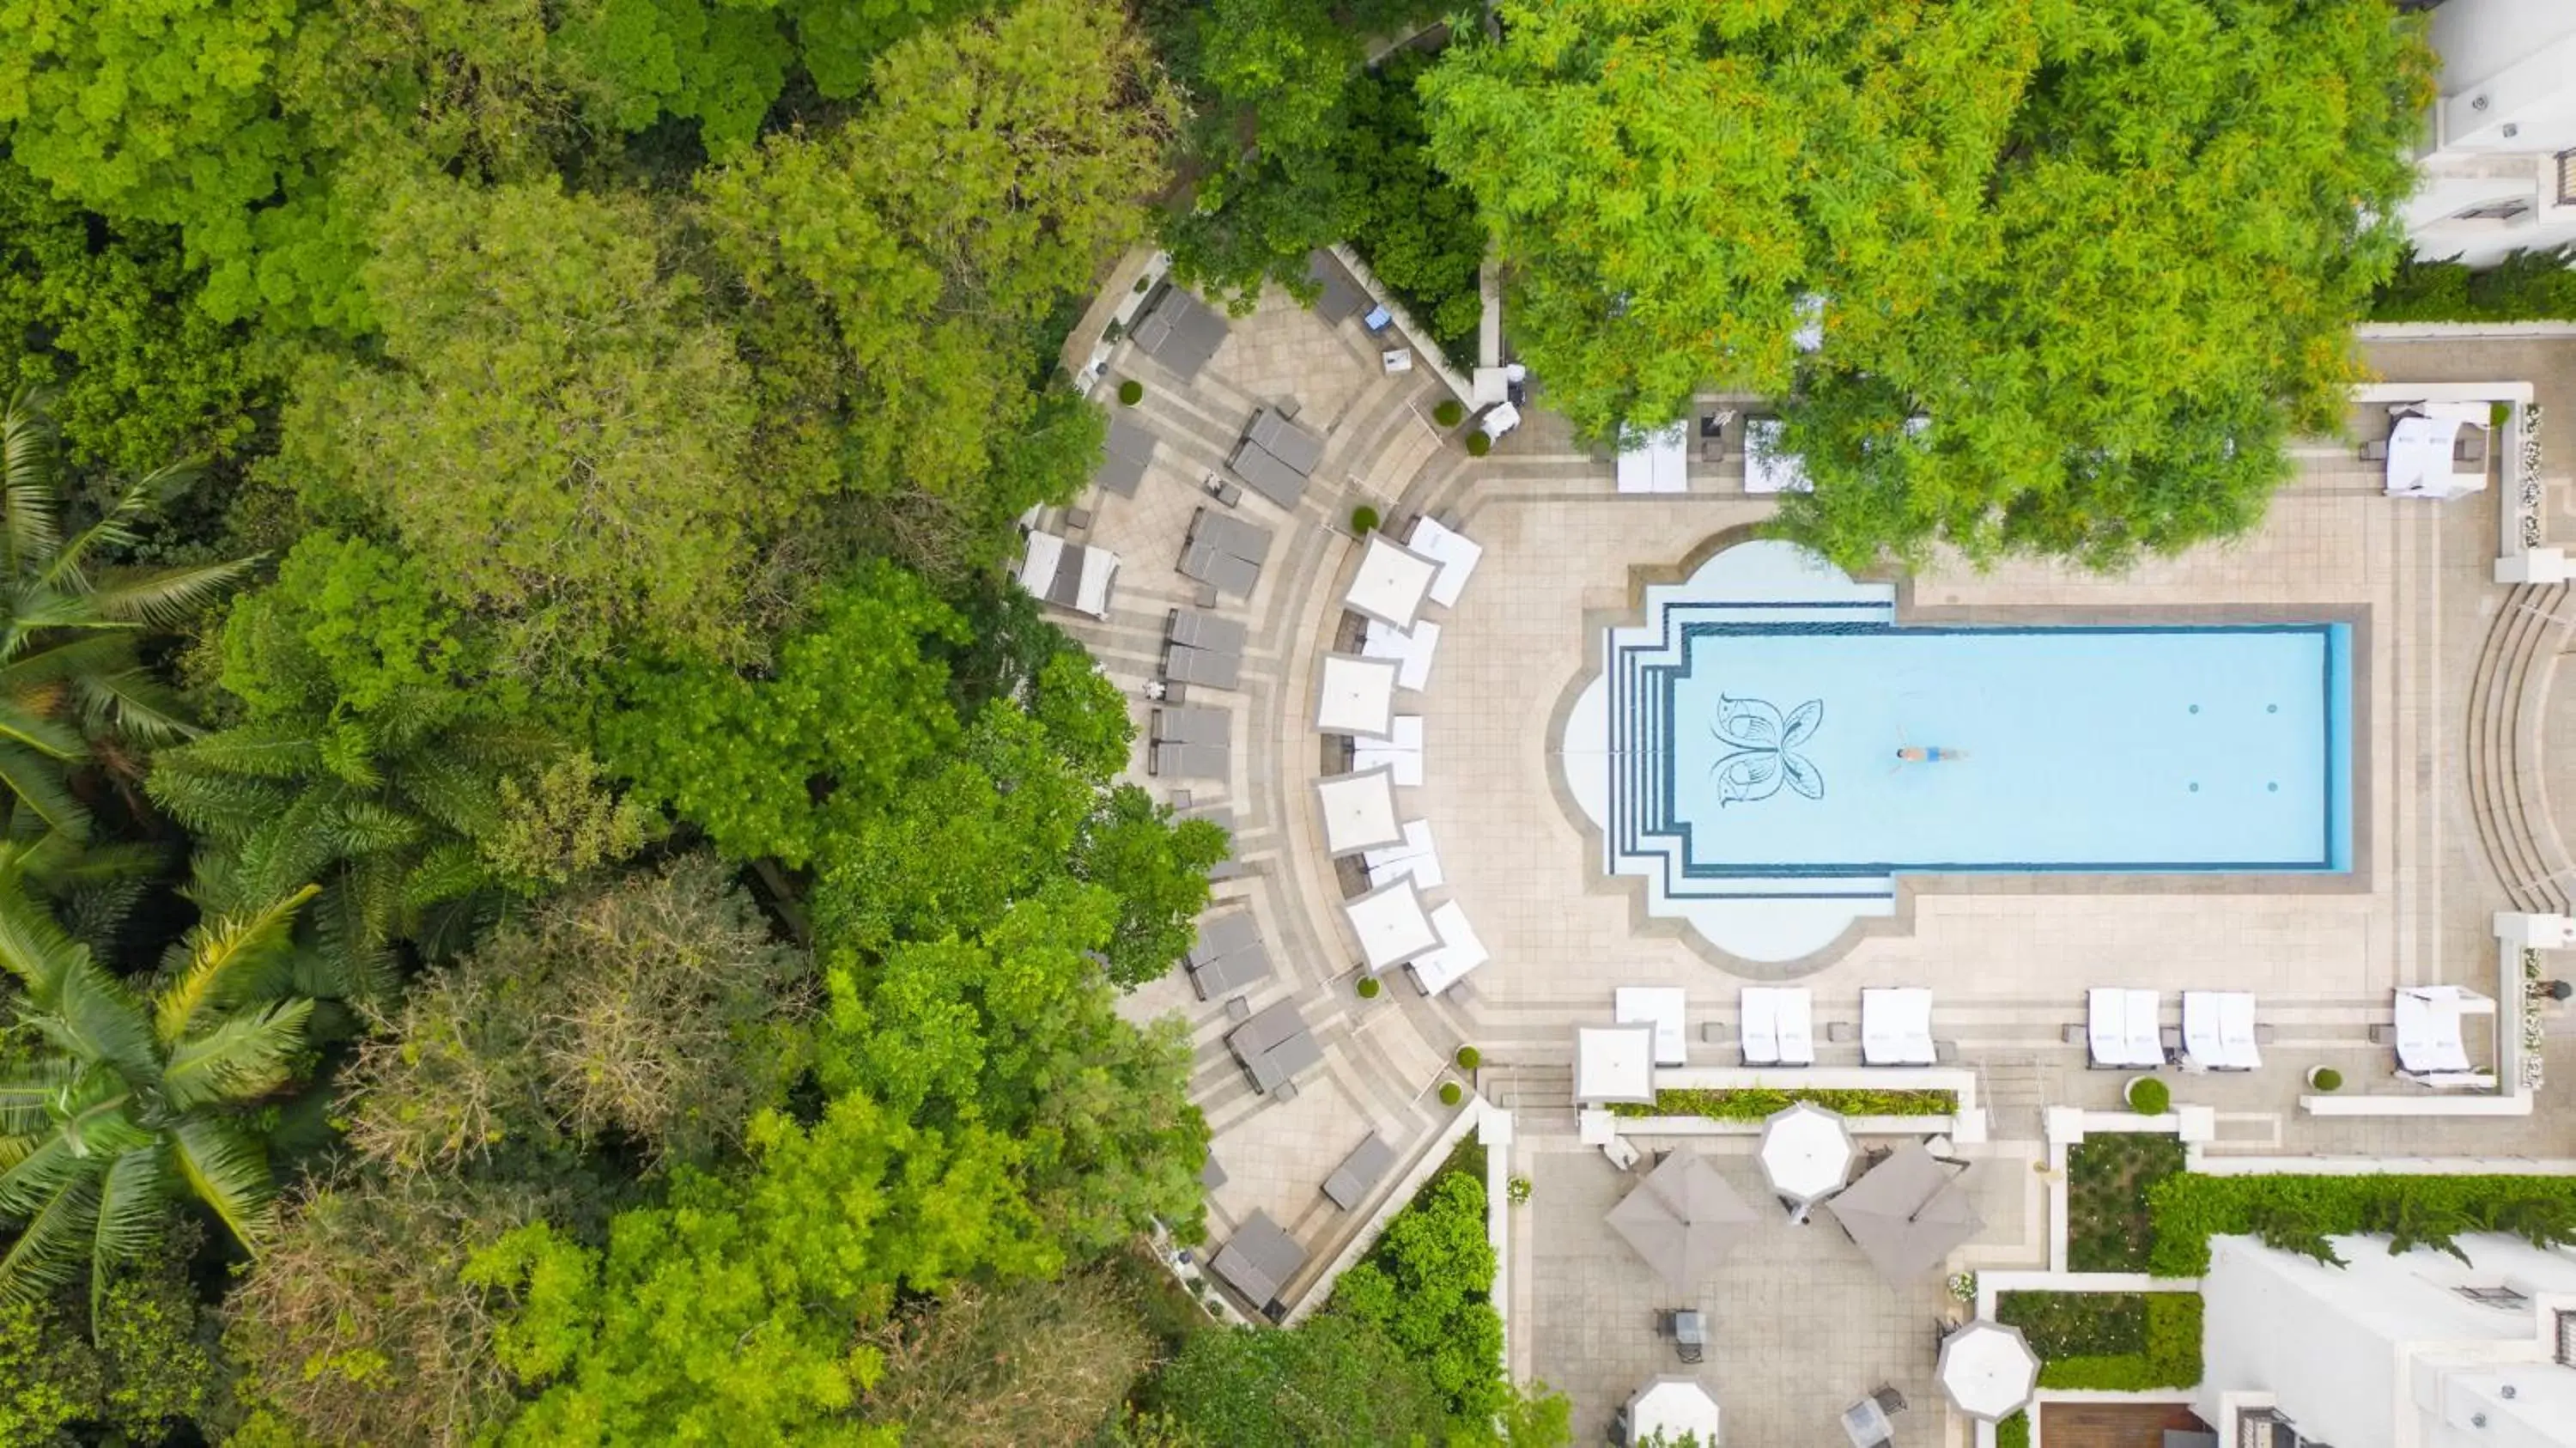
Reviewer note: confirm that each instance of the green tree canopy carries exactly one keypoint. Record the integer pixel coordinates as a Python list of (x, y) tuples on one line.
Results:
[(2036, 223)]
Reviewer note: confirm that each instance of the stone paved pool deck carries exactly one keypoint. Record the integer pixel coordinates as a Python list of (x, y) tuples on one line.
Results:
[(1803, 1326)]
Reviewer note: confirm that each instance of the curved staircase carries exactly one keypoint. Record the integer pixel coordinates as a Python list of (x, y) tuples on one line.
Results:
[(2508, 703)]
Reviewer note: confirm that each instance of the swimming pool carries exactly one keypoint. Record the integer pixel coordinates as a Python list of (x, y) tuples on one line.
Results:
[(1770, 731)]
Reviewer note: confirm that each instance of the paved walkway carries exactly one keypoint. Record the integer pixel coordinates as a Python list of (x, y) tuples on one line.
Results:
[(2008, 961)]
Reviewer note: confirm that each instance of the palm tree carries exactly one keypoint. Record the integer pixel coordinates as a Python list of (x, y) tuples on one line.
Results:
[(111, 1105), (70, 679)]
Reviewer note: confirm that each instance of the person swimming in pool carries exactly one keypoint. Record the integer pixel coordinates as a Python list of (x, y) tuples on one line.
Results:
[(1928, 754)]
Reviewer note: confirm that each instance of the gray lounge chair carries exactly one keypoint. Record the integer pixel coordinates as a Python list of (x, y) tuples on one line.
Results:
[(1267, 475), (1349, 1184), (1206, 631), (1202, 666)]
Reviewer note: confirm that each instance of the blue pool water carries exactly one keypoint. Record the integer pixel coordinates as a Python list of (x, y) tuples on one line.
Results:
[(1771, 750)]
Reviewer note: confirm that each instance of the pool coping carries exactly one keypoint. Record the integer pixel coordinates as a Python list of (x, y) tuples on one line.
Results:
[(1596, 623)]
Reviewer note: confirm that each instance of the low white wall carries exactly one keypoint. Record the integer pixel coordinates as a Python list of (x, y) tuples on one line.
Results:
[(2384, 1166)]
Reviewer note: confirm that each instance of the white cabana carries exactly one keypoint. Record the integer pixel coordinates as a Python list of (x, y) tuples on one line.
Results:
[(2218, 1030), (1410, 648), (1356, 695), (1358, 811), (1400, 751), (2420, 447), (1455, 552), (1614, 1064), (1672, 1406), (1896, 1026), (1654, 462), (1806, 1152), (2120, 1027), (2429, 1035), (1659, 1006), (1391, 925), (1777, 1025), (1067, 574), (1460, 952), (1988, 1369), (1415, 859), (1391, 582)]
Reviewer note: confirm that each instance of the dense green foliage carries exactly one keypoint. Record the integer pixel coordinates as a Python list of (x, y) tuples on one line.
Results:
[(2528, 286), (2126, 1342), (2013, 1432), (2036, 222), (2108, 1179), (2298, 1213), (1428, 1285), (1752, 1103)]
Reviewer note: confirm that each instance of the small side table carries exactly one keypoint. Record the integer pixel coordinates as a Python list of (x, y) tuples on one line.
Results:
[(1865, 1423)]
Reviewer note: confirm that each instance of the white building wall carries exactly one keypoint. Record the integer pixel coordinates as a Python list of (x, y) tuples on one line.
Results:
[(2507, 109), (2385, 1352)]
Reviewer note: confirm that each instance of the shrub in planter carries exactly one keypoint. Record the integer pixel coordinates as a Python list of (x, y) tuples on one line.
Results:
[(2149, 1096), (1449, 413), (2325, 1078), (1478, 444), (1131, 392), (2013, 1432), (1369, 987), (1451, 1093), (1516, 1190), (1363, 519), (1468, 1056)]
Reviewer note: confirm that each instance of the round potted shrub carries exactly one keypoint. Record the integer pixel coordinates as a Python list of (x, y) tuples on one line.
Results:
[(2324, 1078), (1516, 1189), (1451, 1093), (1363, 519), (1478, 444), (1368, 987), (2148, 1096), (1468, 1056), (1449, 413), (1131, 392)]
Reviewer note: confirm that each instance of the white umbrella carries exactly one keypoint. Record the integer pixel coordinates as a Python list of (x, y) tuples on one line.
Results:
[(1391, 925), (1672, 1406), (1806, 1152), (1614, 1064), (1356, 696), (1988, 1369), (1359, 811), (1391, 582)]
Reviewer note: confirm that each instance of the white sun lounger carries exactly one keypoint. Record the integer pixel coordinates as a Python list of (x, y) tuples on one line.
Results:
[(1659, 1006), (1779, 1026), (1896, 1027), (2429, 1041), (2120, 1027), (1415, 859), (1401, 753), (1458, 953), (1455, 553), (1410, 648), (2218, 1030)]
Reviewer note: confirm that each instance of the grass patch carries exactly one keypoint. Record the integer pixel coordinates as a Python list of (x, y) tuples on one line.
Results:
[(2108, 1177), (2113, 1341), (1754, 1103)]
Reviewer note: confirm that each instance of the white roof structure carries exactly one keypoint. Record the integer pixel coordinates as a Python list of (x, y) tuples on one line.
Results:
[(1767, 468), (1391, 925), (1356, 696), (1391, 582), (1988, 1370), (1672, 1405), (1806, 1152), (1655, 462), (1456, 553), (1358, 811), (1614, 1064), (1410, 648), (1659, 1006)]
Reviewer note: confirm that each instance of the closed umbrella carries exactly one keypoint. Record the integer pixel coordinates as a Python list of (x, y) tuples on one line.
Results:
[(1988, 1369), (1806, 1152)]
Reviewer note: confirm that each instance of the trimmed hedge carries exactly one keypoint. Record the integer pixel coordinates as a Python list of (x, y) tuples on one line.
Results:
[(2108, 1176), (2013, 1432), (2122, 1342), (2297, 1213), (2528, 286), (1754, 1103)]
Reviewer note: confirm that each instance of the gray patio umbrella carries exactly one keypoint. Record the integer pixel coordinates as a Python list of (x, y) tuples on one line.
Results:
[(1906, 1213), (1682, 1219)]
